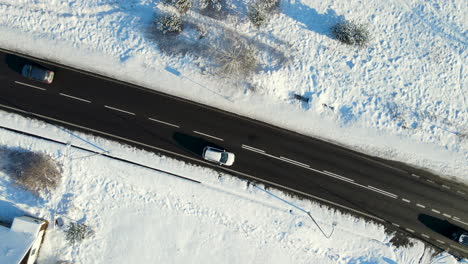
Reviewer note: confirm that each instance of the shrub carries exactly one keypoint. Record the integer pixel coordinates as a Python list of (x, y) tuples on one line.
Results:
[(77, 232), (257, 15), (181, 5), (351, 33), (238, 60), (169, 24), (214, 5), (269, 5), (33, 171)]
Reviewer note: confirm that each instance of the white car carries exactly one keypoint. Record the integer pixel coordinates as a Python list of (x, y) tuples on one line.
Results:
[(219, 156)]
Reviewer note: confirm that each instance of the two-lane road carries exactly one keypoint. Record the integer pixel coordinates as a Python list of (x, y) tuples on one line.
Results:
[(275, 156)]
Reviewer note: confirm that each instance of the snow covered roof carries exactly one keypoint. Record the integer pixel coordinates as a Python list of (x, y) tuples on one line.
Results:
[(17, 240), (14, 245)]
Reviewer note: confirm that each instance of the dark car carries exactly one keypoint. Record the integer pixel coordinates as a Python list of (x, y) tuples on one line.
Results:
[(461, 237), (37, 73)]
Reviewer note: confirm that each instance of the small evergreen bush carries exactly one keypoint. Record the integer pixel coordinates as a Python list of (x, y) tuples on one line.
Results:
[(351, 33), (214, 5), (257, 15), (169, 24), (77, 232), (181, 5)]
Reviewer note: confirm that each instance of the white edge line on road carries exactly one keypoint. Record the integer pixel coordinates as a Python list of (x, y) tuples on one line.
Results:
[(426, 236), (294, 162), (461, 249), (382, 191), (420, 205), (35, 87), (338, 176), (406, 200), (162, 122), (206, 135), (252, 149), (200, 161), (460, 221), (447, 215), (74, 97), (120, 110), (409, 230), (435, 211)]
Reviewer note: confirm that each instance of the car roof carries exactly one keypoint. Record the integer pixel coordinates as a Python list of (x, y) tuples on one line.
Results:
[(213, 154)]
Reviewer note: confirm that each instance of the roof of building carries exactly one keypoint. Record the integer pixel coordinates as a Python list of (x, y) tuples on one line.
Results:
[(17, 240)]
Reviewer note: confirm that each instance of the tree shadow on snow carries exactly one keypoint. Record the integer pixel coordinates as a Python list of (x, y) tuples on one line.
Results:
[(310, 18)]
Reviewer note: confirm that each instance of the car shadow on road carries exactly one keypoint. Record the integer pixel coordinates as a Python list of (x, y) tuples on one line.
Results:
[(193, 144), (16, 63), (440, 226)]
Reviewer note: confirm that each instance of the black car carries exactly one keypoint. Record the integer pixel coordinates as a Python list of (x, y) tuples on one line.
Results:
[(37, 73)]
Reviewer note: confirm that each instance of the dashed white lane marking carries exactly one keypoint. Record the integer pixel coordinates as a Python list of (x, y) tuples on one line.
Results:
[(74, 97), (409, 230), (198, 160), (253, 149), (295, 162), (162, 122), (406, 200), (397, 225), (440, 241), (456, 218), (32, 86), (414, 175), (435, 211), (426, 236), (206, 135), (394, 196), (447, 215), (338, 176), (445, 186), (420, 205), (460, 192), (119, 110), (431, 181)]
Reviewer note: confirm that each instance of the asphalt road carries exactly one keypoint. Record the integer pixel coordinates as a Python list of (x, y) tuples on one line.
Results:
[(414, 203)]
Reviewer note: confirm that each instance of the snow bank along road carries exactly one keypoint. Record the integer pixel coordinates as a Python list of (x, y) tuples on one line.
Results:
[(416, 204)]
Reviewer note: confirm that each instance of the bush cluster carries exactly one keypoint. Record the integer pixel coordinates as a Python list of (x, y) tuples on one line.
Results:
[(351, 33), (34, 171)]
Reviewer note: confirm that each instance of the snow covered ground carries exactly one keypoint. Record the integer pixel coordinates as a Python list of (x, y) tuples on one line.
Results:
[(143, 216), (404, 97)]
